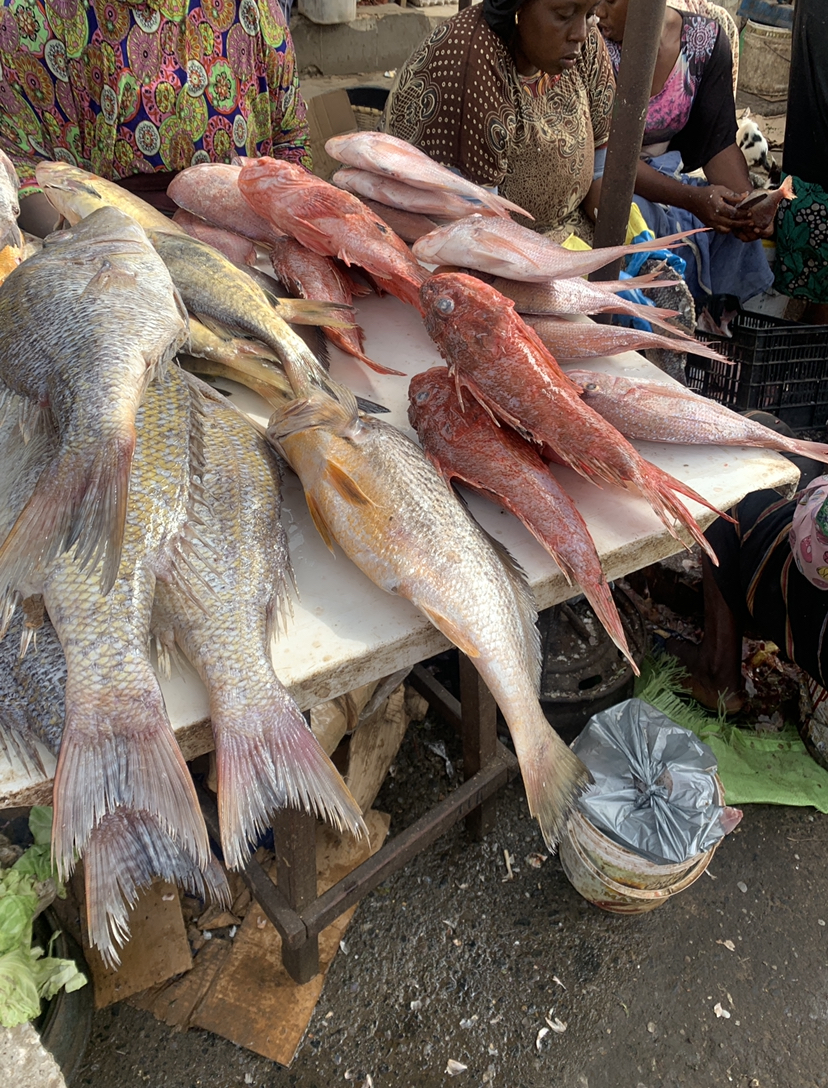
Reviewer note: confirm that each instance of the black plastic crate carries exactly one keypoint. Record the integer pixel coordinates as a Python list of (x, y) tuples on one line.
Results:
[(778, 366)]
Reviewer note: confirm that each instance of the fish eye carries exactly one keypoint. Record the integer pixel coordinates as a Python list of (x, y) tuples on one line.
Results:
[(445, 305), (422, 396), (590, 387)]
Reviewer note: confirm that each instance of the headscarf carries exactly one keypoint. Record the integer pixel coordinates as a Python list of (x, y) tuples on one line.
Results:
[(500, 15), (809, 532)]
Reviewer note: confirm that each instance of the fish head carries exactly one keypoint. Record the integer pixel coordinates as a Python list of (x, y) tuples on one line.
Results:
[(591, 381), (104, 224), (460, 304), (430, 392), (437, 246), (69, 190), (277, 172)]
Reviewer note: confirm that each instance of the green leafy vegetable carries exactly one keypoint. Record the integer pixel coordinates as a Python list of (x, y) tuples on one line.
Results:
[(27, 974)]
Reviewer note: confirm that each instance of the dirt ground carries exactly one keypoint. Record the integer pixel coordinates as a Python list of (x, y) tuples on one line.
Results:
[(450, 960)]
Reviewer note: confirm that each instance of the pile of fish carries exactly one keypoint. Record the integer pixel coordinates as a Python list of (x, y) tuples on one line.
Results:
[(136, 502)]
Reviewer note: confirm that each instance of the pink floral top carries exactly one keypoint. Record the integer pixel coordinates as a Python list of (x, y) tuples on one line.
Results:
[(122, 88)]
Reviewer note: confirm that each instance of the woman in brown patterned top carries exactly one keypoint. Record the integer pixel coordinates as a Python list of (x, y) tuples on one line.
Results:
[(517, 95)]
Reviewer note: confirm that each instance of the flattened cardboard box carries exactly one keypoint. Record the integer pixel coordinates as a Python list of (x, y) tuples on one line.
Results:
[(329, 114)]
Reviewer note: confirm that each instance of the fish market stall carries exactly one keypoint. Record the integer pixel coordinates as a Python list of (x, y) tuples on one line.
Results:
[(345, 631)]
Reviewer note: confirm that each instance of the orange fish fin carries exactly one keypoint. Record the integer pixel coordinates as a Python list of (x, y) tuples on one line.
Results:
[(346, 486), (319, 521), (501, 245), (452, 632)]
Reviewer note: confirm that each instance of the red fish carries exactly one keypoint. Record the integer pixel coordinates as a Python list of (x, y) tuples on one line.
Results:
[(464, 443), (763, 203), (306, 274), (210, 190), (235, 247), (331, 222), (505, 366), (568, 340)]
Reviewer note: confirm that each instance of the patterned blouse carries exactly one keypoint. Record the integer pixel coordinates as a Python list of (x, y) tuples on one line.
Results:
[(460, 98), (694, 111), (122, 88)]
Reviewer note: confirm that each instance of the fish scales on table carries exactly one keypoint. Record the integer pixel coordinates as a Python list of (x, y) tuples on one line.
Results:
[(405, 197), (331, 222), (502, 247), (464, 443), (31, 692), (87, 321), (310, 275), (658, 412), (505, 366), (267, 758), (210, 190), (373, 491), (118, 753), (380, 153), (571, 340)]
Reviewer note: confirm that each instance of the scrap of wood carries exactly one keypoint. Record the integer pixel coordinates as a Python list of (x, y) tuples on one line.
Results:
[(332, 720), (173, 1002), (252, 1000), (373, 747), (156, 950)]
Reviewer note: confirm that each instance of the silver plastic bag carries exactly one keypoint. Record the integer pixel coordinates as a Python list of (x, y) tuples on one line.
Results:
[(655, 792)]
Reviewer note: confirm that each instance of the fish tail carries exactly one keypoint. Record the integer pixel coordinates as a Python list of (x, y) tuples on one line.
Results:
[(603, 605), (267, 759), (126, 850), (111, 758), (80, 499), (659, 489), (816, 451), (553, 776), (302, 311), (346, 344), (787, 188)]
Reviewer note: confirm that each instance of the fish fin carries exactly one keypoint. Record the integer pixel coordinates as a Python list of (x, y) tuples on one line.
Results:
[(19, 743), (346, 486), (659, 488), (303, 311), (267, 758), (324, 337), (126, 850), (553, 776), (318, 520), (80, 499), (502, 245), (344, 343), (451, 631), (336, 412), (109, 278), (119, 750), (603, 605)]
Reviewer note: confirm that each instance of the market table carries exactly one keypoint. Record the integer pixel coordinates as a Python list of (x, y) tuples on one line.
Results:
[(346, 632)]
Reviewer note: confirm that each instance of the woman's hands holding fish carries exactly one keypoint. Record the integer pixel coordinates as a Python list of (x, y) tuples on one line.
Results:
[(715, 205)]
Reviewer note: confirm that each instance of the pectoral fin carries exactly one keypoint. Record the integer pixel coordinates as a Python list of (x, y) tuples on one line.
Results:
[(452, 633), (346, 486)]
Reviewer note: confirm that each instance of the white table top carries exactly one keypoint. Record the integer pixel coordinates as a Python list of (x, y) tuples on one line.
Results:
[(346, 632)]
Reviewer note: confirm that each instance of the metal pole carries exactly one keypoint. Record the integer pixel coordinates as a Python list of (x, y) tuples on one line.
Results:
[(642, 35)]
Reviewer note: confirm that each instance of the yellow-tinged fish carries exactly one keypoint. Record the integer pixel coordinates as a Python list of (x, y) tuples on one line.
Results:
[(267, 757), (75, 193), (86, 323), (373, 491)]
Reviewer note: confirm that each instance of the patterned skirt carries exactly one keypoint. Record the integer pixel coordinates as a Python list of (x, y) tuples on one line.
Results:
[(801, 266)]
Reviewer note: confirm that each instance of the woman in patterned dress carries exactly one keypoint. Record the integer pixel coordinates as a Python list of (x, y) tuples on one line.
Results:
[(516, 96), (691, 126), (135, 91)]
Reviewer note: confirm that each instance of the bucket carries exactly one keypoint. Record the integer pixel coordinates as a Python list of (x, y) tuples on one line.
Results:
[(619, 880), (765, 61)]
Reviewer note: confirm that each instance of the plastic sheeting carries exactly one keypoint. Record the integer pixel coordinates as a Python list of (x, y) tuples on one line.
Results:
[(655, 792)]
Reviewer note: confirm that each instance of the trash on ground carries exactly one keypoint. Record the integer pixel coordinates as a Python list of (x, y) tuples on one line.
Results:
[(454, 1068)]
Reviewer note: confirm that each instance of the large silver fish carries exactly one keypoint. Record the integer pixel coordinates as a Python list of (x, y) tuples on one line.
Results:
[(267, 757), (373, 491), (9, 204), (86, 323)]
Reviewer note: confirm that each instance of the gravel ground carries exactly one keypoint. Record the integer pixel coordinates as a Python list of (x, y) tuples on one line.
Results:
[(449, 960)]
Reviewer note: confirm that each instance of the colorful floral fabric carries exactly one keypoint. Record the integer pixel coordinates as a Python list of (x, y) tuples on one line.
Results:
[(809, 532), (801, 265), (126, 88)]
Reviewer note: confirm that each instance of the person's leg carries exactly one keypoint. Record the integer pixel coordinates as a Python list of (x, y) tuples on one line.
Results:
[(715, 664)]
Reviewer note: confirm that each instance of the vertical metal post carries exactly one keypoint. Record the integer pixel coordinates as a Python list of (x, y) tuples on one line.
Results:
[(642, 35)]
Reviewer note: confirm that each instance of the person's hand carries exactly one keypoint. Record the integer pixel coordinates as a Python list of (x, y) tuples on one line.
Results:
[(715, 205)]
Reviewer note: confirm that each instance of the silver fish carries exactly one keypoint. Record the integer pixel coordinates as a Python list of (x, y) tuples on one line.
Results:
[(87, 322), (267, 757)]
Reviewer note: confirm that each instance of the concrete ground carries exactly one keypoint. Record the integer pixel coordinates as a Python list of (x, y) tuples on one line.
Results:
[(451, 960)]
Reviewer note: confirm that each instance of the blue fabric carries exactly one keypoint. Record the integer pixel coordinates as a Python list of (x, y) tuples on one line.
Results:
[(627, 321), (717, 264)]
